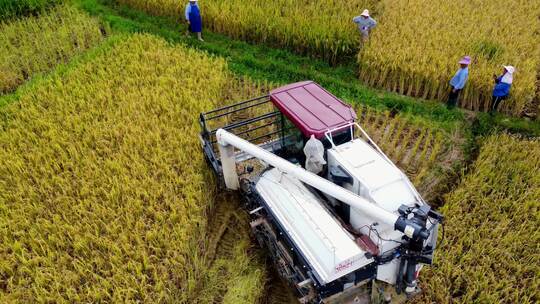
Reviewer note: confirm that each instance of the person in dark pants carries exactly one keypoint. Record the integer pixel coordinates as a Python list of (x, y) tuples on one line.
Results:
[(193, 18), (457, 83), (502, 87)]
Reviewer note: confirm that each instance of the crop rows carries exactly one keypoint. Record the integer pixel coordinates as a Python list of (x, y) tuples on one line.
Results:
[(104, 193), (490, 250), (416, 48), (425, 153), (323, 27), (36, 44)]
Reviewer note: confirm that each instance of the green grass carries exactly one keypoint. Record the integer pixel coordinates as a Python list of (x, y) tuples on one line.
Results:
[(15, 8), (486, 124)]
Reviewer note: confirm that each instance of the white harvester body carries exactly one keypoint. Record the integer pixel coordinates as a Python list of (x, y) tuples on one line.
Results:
[(332, 235), (379, 181), (329, 249)]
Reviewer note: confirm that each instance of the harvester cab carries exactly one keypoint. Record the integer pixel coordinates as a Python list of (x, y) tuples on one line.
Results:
[(340, 220)]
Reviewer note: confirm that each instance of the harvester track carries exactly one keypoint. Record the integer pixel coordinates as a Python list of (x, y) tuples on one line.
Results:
[(228, 225), (225, 228), (277, 290)]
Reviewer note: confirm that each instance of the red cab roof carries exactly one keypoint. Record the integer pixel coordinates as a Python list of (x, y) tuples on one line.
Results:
[(311, 108)]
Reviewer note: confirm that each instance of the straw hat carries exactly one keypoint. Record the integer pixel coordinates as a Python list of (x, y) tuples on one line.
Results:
[(365, 13), (465, 60)]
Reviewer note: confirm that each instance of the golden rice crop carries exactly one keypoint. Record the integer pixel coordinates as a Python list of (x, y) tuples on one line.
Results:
[(104, 193), (322, 27), (36, 44), (490, 250), (417, 45)]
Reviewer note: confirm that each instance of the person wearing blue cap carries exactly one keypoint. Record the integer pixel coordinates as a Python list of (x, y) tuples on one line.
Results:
[(457, 83), (193, 18)]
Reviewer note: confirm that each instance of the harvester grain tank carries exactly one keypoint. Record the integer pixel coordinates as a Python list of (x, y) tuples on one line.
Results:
[(341, 222)]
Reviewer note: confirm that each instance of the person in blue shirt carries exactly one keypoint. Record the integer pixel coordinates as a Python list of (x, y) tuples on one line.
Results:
[(457, 83), (503, 83), (365, 24), (193, 18)]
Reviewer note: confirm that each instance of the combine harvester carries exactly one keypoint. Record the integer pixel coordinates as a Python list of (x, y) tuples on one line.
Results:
[(341, 222)]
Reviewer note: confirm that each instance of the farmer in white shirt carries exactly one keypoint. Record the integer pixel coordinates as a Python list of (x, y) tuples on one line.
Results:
[(365, 24)]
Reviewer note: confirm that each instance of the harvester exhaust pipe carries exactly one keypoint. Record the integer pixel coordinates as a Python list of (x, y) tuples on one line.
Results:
[(227, 141)]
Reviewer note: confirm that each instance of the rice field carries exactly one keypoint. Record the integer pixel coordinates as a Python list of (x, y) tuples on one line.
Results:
[(490, 250), (34, 45), (323, 28), (416, 48), (427, 154), (104, 196)]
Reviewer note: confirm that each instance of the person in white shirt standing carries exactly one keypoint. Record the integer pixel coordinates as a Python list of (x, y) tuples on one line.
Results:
[(365, 24)]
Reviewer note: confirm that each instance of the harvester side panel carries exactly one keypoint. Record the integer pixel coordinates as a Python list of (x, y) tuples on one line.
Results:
[(329, 249)]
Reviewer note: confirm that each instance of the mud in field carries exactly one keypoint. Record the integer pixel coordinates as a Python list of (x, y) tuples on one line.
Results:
[(276, 289)]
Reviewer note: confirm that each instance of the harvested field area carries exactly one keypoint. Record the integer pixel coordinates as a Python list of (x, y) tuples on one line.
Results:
[(235, 270), (427, 154)]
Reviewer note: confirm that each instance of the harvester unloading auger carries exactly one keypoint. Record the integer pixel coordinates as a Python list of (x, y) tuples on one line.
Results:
[(352, 229)]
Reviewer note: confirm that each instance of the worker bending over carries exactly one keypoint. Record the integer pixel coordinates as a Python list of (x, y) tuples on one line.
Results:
[(193, 18), (503, 83), (457, 83), (365, 24)]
